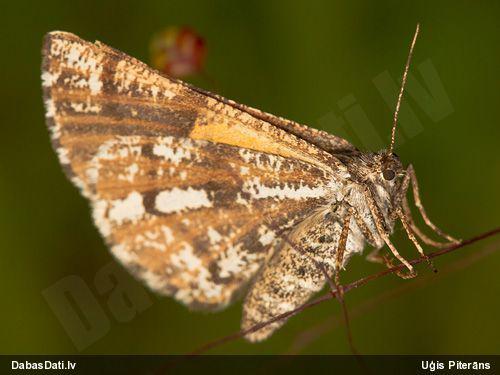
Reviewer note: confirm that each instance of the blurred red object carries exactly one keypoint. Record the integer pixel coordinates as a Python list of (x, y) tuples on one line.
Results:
[(178, 51)]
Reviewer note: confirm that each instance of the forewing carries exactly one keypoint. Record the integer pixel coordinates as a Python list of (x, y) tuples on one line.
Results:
[(321, 139), (184, 188), (195, 219), (93, 93)]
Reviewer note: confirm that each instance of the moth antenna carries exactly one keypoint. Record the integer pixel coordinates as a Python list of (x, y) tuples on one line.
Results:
[(401, 91)]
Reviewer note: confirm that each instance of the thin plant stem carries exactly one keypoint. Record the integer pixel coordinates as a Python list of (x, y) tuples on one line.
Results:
[(307, 336), (346, 288)]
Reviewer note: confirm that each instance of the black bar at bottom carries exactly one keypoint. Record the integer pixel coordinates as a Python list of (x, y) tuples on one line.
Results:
[(240, 365)]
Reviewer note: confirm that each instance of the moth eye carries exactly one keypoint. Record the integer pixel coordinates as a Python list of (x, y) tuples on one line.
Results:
[(388, 174)]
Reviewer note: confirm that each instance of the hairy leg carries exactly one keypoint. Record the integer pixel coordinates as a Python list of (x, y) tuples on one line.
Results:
[(409, 218), (401, 201), (412, 237), (416, 194), (374, 256), (384, 232)]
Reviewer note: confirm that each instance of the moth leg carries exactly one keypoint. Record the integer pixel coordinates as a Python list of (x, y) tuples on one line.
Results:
[(409, 218), (339, 256), (339, 253), (387, 260), (416, 194), (412, 237), (339, 261), (402, 201), (377, 257), (374, 256), (384, 232)]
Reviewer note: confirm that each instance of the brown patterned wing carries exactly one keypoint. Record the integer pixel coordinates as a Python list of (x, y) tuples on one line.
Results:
[(180, 183), (195, 219), (93, 92), (319, 138)]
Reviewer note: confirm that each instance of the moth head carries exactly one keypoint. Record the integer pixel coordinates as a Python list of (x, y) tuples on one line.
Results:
[(387, 169), (379, 169), (390, 166)]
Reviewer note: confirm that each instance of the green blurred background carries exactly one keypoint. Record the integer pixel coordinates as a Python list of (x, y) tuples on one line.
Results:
[(296, 59)]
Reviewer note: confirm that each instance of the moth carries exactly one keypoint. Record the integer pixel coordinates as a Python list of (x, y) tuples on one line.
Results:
[(207, 200)]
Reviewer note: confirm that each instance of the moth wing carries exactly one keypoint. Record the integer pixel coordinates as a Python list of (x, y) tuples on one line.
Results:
[(93, 92), (292, 275), (196, 219), (319, 138), (184, 188)]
